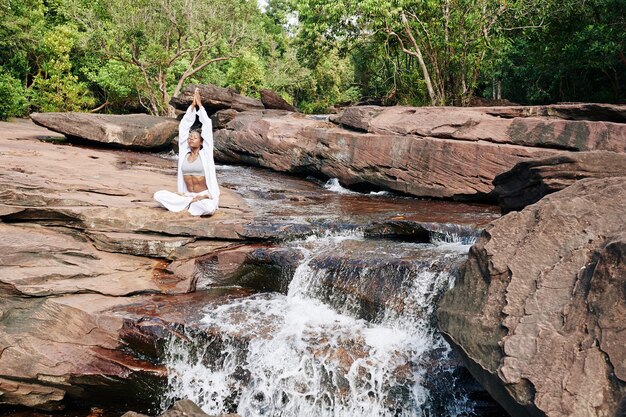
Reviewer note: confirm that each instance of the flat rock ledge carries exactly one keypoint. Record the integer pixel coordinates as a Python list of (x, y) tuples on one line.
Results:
[(133, 131), (570, 127), (539, 313)]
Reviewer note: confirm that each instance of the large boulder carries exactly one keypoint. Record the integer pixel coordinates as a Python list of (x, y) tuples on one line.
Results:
[(529, 181), (135, 131), (420, 166), (487, 124), (216, 98), (539, 312)]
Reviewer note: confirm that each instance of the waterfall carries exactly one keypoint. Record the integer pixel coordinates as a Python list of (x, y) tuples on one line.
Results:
[(353, 336)]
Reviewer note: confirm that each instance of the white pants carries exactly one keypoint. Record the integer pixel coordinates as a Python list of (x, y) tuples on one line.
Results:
[(176, 202)]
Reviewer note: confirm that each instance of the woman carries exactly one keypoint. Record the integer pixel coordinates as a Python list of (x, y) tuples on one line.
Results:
[(197, 184)]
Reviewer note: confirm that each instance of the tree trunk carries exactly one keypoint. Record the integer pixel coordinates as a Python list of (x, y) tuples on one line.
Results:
[(429, 85)]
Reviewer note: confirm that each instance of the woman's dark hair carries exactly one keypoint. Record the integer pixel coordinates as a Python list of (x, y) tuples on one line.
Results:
[(199, 132)]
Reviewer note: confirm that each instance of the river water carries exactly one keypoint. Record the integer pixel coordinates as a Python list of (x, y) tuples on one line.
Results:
[(354, 334)]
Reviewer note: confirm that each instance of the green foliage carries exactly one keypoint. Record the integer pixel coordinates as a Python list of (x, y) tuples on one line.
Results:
[(12, 96), (122, 55), (54, 87), (576, 55), (246, 73)]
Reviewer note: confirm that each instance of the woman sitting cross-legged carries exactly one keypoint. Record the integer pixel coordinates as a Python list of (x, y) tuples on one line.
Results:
[(197, 184)]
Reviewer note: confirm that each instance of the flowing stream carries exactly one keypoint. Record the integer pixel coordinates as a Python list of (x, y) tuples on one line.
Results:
[(354, 333), (353, 336)]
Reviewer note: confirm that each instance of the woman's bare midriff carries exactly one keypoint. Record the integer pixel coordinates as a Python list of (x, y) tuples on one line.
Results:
[(195, 183)]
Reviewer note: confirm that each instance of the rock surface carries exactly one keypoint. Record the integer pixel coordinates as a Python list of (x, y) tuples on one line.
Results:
[(80, 241), (135, 131), (271, 100), (539, 311), (182, 408), (216, 98), (529, 181), (421, 166), (529, 126)]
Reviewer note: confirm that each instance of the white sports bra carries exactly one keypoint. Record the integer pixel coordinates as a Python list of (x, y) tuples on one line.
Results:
[(192, 168)]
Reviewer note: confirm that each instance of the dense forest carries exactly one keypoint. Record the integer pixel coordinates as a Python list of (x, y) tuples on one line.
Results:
[(134, 55)]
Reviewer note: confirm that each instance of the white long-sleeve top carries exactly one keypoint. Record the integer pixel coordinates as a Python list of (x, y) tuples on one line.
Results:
[(206, 153)]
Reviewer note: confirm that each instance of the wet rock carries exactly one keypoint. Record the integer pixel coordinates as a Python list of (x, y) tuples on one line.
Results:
[(421, 166), (271, 100), (486, 124), (539, 312), (529, 181), (135, 131), (256, 266), (182, 408), (30, 395), (216, 98), (119, 355)]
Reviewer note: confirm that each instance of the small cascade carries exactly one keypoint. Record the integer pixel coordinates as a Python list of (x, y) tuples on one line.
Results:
[(354, 336)]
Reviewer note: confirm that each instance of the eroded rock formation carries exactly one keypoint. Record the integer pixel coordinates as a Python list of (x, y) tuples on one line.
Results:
[(528, 181), (527, 126), (539, 311), (421, 166)]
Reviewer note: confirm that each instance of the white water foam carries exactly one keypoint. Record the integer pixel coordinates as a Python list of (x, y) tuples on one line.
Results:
[(334, 186), (293, 355)]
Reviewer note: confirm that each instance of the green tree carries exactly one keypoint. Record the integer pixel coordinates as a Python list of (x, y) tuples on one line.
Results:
[(12, 96), (165, 41), (449, 39), (578, 54)]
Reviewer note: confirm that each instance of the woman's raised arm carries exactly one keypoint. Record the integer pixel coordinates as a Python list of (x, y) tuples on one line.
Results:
[(183, 129)]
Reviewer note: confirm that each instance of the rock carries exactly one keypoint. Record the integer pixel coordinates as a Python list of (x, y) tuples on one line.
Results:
[(529, 181), (574, 111), (78, 241), (484, 124), (539, 312), (68, 264), (134, 131), (216, 98), (92, 348), (222, 117), (182, 408), (271, 100), (420, 166), (30, 395)]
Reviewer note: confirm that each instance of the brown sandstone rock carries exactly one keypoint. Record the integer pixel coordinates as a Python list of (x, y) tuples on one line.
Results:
[(35, 261), (481, 124), (78, 236), (572, 111), (529, 181), (420, 166), (271, 100), (136, 131), (539, 313), (216, 98)]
